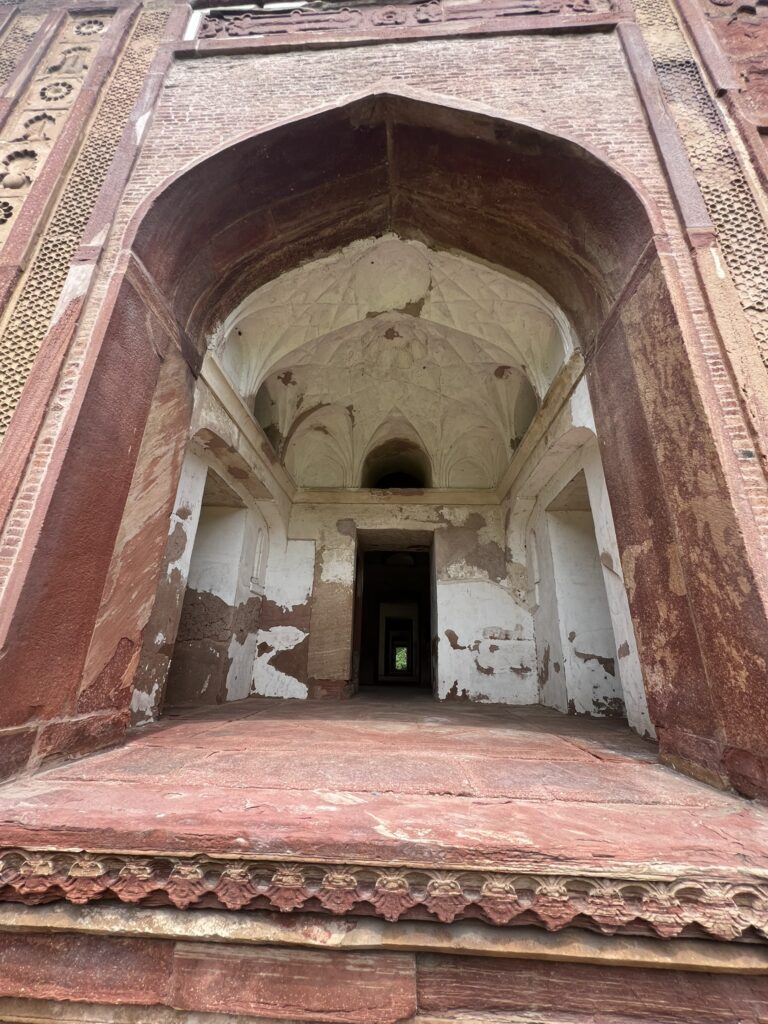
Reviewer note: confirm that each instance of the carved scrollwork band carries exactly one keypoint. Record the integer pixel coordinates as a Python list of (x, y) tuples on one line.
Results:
[(41, 111), (692, 906), (322, 17)]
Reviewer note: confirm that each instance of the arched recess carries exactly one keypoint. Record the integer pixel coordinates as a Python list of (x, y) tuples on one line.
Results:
[(395, 449), (530, 201)]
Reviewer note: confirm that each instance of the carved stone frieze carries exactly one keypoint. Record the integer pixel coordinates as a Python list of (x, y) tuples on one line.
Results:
[(692, 906), (741, 229), (321, 17), (35, 124), (42, 110)]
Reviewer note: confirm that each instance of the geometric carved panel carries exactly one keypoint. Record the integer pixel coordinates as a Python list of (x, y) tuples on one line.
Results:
[(29, 319), (741, 230), (40, 112)]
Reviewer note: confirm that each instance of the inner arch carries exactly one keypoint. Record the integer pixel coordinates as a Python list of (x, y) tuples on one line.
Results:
[(429, 277)]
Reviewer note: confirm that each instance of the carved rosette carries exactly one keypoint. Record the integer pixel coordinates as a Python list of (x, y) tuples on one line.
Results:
[(234, 888), (287, 890), (607, 906), (36, 877), (554, 906), (134, 882), (86, 880), (498, 900), (445, 899), (392, 896), (682, 906), (185, 884), (338, 892)]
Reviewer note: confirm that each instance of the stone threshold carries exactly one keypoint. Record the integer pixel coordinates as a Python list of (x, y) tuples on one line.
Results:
[(664, 907)]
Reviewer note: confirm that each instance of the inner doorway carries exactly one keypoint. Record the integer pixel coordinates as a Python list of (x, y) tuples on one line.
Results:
[(394, 612)]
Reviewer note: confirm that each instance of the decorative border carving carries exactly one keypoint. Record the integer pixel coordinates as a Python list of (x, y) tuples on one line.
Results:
[(374, 20), (14, 42), (720, 909), (741, 230), (26, 141), (28, 320)]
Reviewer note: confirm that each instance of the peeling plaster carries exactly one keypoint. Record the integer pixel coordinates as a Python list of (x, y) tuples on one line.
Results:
[(337, 567), (143, 704), (290, 573), (267, 680)]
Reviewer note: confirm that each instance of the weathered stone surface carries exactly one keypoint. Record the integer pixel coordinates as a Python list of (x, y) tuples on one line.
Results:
[(448, 984), (342, 987), (81, 735), (299, 985), (85, 968), (277, 983), (521, 791), (15, 749)]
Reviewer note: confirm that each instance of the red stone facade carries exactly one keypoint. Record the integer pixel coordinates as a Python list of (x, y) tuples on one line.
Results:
[(159, 162)]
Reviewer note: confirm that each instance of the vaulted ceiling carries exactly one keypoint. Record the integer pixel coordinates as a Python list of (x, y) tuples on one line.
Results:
[(387, 342)]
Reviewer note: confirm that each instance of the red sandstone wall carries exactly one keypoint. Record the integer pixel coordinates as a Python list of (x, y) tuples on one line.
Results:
[(247, 983)]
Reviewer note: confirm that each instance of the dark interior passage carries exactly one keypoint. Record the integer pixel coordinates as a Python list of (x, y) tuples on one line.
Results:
[(395, 615)]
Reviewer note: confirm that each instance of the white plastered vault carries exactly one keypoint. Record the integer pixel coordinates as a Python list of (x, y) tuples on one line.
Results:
[(388, 339)]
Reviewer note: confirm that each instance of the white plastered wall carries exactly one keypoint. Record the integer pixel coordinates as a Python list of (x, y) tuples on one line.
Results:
[(569, 670), (486, 649), (493, 582)]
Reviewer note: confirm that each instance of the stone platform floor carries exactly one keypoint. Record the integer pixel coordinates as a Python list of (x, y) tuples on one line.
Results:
[(391, 778)]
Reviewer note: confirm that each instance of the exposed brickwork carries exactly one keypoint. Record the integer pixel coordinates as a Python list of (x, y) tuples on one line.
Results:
[(552, 81)]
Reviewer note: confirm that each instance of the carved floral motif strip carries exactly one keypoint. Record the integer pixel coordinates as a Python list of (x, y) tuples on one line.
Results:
[(722, 910), (29, 135), (317, 17)]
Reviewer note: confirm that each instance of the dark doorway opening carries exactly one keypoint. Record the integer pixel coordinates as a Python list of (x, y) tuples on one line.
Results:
[(394, 614), (392, 480)]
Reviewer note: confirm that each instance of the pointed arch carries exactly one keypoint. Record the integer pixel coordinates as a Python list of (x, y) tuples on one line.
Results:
[(539, 204)]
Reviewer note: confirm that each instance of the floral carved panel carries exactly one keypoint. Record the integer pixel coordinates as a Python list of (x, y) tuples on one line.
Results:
[(722, 909)]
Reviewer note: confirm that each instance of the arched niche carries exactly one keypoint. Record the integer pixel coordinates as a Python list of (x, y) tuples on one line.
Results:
[(522, 198), (396, 463)]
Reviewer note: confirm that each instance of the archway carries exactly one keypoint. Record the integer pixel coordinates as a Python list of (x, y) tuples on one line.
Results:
[(458, 180)]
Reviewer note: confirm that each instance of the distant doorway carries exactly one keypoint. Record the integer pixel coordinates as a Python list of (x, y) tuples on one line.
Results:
[(394, 617)]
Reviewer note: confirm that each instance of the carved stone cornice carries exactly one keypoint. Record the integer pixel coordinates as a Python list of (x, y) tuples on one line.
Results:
[(667, 908), (382, 20)]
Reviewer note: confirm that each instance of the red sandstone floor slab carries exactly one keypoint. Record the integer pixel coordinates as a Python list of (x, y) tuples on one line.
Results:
[(395, 779)]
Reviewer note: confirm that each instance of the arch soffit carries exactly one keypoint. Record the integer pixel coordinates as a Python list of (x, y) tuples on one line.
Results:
[(202, 207)]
